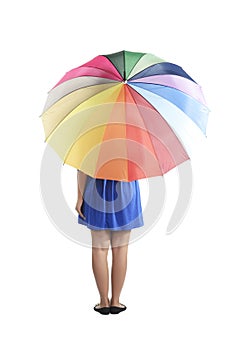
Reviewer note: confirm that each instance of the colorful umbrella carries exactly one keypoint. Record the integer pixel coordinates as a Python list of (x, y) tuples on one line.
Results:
[(125, 116)]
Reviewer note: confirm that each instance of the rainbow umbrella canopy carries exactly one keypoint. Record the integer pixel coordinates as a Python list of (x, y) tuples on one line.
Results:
[(125, 116)]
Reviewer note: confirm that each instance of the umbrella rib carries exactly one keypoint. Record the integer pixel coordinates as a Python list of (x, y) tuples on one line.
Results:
[(124, 93), (73, 89), (155, 64), (135, 65), (70, 148), (107, 71), (173, 131), (104, 70), (169, 87), (145, 126), (77, 106), (168, 101), (116, 69), (124, 62), (85, 75), (104, 130)]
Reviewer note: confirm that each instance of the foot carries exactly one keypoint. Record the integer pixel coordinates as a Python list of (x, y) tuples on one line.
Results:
[(116, 308), (103, 303), (103, 307), (102, 310), (100, 305), (117, 305)]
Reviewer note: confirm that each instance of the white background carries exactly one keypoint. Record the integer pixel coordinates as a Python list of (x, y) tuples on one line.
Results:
[(179, 288)]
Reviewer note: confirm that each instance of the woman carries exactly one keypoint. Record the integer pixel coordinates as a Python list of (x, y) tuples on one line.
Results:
[(110, 209)]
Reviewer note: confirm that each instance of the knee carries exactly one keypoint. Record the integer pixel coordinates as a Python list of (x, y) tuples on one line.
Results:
[(100, 250), (119, 250), (119, 245)]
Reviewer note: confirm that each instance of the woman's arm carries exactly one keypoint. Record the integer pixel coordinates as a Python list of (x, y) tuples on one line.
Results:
[(81, 182)]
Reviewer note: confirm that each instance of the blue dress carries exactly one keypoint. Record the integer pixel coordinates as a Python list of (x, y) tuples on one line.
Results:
[(111, 204)]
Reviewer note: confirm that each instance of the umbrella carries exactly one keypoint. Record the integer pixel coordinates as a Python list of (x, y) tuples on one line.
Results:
[(125, 116)]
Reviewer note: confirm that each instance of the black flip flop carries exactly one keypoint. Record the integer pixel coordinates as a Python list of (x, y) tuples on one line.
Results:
[(102, 310), (117, 309)]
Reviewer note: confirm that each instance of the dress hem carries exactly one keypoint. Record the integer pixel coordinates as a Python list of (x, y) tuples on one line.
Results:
[(120, 228)]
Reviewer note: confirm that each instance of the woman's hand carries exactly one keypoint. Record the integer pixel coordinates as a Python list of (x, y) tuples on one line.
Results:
[(78, 207)]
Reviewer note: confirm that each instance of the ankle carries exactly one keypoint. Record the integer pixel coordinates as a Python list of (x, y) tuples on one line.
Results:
[(104, 300), (114, 301)]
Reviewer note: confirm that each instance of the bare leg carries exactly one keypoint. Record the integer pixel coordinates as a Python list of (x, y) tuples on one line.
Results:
[(100, 247), (119, 245)]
